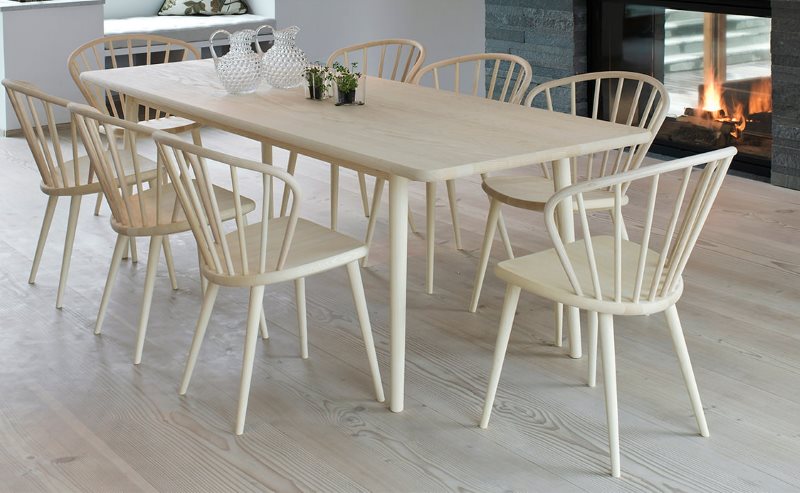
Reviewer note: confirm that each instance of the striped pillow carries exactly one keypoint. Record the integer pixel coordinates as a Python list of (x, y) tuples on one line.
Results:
[(203, 7)]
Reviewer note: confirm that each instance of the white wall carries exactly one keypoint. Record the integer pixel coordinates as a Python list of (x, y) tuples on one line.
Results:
[(446, 28)]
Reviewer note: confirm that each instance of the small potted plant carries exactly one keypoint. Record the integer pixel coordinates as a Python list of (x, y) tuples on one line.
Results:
[(317, 78), (349, 84)]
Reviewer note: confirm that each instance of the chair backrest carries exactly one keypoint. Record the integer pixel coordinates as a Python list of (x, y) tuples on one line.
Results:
[(226, 254), (126, 177), (647, 270), (124, 50), (509, 76), (632, 99), (35, 112), (397, 59)]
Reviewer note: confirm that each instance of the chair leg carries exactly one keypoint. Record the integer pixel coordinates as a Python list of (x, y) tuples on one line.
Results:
[(500, 347), (501, 227), (98, 203), (610, 385), (366, 329), (373, 215), (52, 201), (147, 297), (199, 334), (173, 279), (72, 223), (679, 343), (134, 251), (558, 310), (334, 197), (592, 319), (262, 324), (486, 249), (116, 260), (451, 196), (411, 224), (362, 185), (302, 319), (253, 313), (290, 168), (430, 232)]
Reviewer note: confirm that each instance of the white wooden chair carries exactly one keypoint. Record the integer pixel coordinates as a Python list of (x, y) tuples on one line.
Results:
[(126, 50), (507, 79), (634, 99), (610, 275), (136, 211), (63, 174), (256, 255)]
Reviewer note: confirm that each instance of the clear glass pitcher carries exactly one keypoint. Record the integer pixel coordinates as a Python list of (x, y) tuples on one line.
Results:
[(241, 69), (285, 63)]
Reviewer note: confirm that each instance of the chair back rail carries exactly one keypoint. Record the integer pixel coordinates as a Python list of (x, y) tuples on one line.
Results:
[(122, 171), (633, 99), (677, 216), (35, 112), (397, 59), (186, 166), (124, 50), (509, 76)]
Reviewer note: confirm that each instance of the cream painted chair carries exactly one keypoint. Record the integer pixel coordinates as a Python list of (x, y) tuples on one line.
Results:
[(63, 174), (136, 211), (257, 255), (634, 99), (124, 50), (507, 78), (610, 274)]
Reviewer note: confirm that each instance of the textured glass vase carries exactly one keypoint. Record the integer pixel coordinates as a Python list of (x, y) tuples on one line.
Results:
[(285, 63), (241, 69)]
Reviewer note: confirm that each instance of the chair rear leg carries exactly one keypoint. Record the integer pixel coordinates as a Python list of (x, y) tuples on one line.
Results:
[(302, 319), (72, 224), (678, 341), (558, 311), (592, 322), (501, 227), (209, 298), (366, 329), (290, 168), (251, 335), (173, 279), (430, 233), (451, 196), (500, 347), (334, 197), (373, 215), (116, 260), (52, 201), (362, 185), (98, 203), (486, 249), (610, 385), (153, 255)]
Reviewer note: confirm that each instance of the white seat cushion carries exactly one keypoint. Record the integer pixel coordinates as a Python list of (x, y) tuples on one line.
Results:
[(191, 29)]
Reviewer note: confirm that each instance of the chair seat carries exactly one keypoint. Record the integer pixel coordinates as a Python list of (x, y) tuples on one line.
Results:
[(170, 124), (543, 274), (532, 192), (171, 217), (147, 168), (314, 249)]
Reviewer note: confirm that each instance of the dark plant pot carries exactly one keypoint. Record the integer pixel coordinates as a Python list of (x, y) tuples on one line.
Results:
[(347, 97), (316, 92)]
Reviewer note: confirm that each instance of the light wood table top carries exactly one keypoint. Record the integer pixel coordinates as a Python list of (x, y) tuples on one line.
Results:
[(404, 130)]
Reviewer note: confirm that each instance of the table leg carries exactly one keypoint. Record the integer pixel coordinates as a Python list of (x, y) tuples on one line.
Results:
[(562, 178), (398, 216)]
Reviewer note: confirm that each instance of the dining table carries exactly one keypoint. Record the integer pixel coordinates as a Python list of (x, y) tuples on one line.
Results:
[(403, 133)]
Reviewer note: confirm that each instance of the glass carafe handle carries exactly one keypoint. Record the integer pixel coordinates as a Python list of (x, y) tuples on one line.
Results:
[(258, 30), (211, 42)]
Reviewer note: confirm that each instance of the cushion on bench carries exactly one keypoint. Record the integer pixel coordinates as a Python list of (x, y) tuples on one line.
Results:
[(192, 29)]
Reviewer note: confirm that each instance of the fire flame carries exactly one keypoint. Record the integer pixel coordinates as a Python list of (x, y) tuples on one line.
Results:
[(716, 106), (760, 97)]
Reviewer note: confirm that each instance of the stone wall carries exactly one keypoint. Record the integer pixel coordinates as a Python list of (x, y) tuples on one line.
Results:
[(786, 93), (550, 34)]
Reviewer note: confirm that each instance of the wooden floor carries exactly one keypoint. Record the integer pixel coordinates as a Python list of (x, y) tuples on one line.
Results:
[(76, 415)]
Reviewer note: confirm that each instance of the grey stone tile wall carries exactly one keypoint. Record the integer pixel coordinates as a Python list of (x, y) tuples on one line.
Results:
[(786, 93)]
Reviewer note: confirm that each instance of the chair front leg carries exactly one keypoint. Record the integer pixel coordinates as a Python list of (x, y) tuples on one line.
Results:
[(486, 249), (610, 385), (360, 301), (302, 318), (251, 335), (500, 347), (52, 201), (451, 196), (334, 197), (592, 322), (72, 224)]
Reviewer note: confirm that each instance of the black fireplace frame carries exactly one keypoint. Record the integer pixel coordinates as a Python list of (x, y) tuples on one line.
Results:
[(601, 56)]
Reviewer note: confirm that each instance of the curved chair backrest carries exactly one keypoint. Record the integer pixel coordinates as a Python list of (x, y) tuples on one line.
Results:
[(681, 214), (122, 171), (35, 112), (226, 253), (508, 76), (397, 59), (124, 50), (632, 99)]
